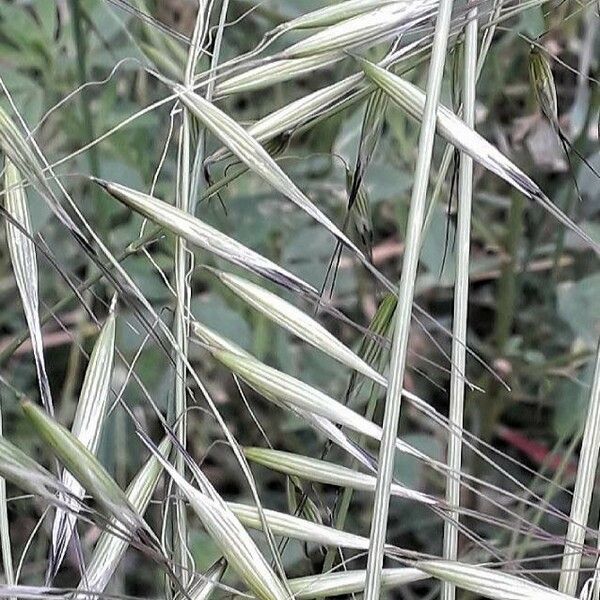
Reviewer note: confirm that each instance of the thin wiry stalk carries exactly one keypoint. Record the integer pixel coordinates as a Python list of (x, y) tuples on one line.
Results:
[(198, 159), (183, 288), (183, 266), (461, 304), (7, 561), (403, 311), (584, 486), (537, 512)]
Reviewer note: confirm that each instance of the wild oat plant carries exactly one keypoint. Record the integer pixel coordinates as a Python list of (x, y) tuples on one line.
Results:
[(299, 299)]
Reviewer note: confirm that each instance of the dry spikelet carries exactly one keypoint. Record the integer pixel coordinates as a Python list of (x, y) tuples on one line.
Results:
[(542, 81), (24, 472), (84, 466), (489, 583), (365, 29), (454, 130), (331, 15), (294, 527), (24, 263), (200, 234), (322, 471), (87, 427), (216, 342), (327, 585), (256, 158), (297, 322), (232, 539), (202, 587), (273, 383)]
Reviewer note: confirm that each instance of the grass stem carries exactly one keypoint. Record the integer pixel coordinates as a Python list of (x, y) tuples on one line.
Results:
[(404, 309), (584, 486), (461, 303), (7, 562)]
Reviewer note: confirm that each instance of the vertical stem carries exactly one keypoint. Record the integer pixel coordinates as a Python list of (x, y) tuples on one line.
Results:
[(100, 201), (200, 148), (461, 302), (584, 486), (507, 285), (183, 266), (7, 562), (405, 301), (445, 163), (346, 498)]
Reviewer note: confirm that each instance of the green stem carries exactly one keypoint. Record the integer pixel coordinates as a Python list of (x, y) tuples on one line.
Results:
[(507, 285), (404, 310), (101, 203), (9, 575), (461, 302), (183, 267), (584, 487)]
